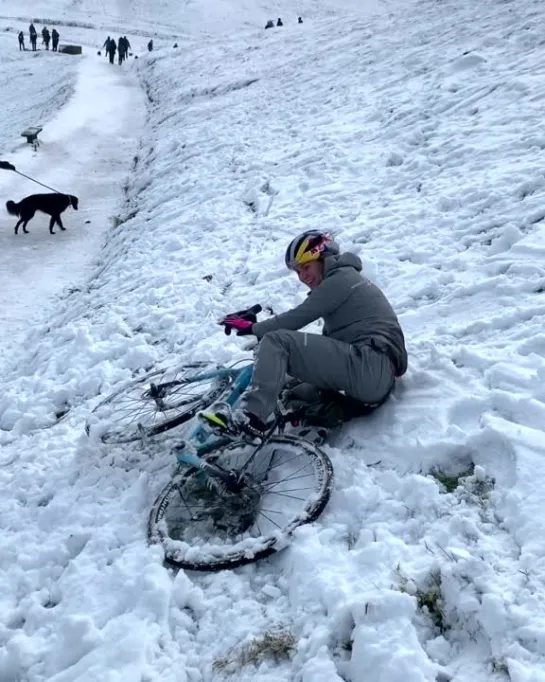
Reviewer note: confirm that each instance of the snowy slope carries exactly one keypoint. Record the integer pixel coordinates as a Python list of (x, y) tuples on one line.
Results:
[(416, 136), (164, 19)]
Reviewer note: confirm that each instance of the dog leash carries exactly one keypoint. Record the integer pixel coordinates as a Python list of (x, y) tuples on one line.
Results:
[(8, 166), (38, 182)]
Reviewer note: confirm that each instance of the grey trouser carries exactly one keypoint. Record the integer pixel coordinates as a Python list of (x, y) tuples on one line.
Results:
[(360, 371)]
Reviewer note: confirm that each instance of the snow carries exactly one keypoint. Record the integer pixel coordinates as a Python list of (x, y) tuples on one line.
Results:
[(412, 131)]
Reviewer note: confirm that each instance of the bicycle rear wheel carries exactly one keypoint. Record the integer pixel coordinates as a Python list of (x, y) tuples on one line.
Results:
[(155, 403), (204, 527)]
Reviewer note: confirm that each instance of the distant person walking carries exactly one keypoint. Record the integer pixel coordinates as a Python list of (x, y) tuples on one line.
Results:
[(105, 46), (33, 36), (127, 44), (111, 50), (55, 39), (150, 45), (46, 37), (121, 50), (21, 38)]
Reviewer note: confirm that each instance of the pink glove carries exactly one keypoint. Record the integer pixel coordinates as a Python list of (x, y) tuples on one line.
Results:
[(238, 324)]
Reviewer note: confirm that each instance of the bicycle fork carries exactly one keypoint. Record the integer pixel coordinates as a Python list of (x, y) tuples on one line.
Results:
[(188, 456)]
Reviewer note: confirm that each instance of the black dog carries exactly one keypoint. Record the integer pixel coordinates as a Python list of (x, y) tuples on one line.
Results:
[(52, 204)]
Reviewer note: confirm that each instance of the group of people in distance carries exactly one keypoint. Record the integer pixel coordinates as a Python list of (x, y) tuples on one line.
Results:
[(270, 23), (47, 37), (122, 48)]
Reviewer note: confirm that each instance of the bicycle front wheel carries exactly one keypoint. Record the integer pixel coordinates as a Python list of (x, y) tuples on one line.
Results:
[(155, 403), (204, 527)]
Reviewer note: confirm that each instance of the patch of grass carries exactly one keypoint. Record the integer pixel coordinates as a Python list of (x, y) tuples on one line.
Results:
[(430, 601), (481, 488), (499, 666), (348, 645), (450, 481), (351, 540), (429, 598), (277, 645)]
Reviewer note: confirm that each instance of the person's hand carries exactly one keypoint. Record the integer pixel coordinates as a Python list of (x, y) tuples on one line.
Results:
[(6, 166), (240, 322), (242, 327)]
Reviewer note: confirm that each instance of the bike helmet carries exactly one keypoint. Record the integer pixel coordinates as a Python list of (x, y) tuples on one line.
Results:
[(309, 246)]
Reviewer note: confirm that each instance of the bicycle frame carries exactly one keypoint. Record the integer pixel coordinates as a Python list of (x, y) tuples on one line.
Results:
[(202, 440)]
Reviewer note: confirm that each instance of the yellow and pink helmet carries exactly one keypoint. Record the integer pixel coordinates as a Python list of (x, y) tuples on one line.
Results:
[(310, 246)]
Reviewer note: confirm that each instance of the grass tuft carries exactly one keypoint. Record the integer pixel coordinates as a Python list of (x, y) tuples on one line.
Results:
[(276, 645)]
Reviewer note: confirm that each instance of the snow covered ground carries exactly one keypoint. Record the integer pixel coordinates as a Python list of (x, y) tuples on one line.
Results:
[(414, 133)]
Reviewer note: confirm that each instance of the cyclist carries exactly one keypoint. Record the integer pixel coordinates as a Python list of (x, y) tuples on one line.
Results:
[(361, 352)]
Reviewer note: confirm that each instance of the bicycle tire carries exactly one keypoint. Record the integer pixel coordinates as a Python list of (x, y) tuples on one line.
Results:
[(182, 554), (177, 412)]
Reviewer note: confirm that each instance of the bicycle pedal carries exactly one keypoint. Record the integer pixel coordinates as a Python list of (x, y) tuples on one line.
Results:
[(211, 418), (215, 421)]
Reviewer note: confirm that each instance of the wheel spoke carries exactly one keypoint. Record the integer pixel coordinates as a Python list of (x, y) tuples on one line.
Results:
[(184, 501), (273, 484), (289, 490), (135, 413), (271, 520), (297, 456), (270, 486), (293, 497), (139, 414), (247, 463)]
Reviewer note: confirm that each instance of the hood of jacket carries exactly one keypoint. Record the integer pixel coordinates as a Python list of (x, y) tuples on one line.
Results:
[(342, 260)]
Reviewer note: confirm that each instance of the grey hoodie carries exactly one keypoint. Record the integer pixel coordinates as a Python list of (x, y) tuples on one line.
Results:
[(354, 310)]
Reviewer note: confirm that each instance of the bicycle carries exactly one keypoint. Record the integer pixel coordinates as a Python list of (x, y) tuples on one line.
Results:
[(229, 502)]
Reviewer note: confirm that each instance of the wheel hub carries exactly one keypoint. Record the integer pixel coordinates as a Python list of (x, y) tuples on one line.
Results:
[(235, 512)]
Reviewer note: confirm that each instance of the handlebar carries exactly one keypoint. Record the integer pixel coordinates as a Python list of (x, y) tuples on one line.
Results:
[(244, 314), (254, 310)]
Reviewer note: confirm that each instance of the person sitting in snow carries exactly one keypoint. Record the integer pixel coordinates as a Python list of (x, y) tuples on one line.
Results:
[(361, 352)]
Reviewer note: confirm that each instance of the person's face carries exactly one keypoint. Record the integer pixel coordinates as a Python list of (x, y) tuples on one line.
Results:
[(311, 273)]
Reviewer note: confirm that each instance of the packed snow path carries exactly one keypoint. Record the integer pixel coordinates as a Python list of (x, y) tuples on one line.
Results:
[(86, 149), (415, 135)]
